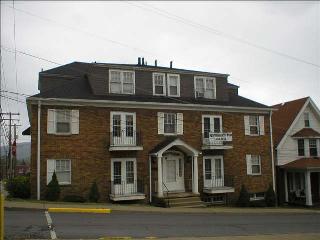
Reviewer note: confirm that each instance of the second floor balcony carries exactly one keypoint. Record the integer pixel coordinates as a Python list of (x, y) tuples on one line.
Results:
[(216, 140), (126, 139)]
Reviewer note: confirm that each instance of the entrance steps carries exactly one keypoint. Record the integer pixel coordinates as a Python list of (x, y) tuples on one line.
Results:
[(188, 200)]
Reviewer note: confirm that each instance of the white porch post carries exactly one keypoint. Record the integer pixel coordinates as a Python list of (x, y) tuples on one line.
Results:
[(160, 190), (308, 189), (286, 186), (195, 175)]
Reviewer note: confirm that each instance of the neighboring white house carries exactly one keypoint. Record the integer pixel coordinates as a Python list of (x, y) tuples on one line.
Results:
[(296, 134)]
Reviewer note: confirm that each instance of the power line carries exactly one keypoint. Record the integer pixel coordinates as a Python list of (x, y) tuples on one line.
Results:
[(15, 46), (219, 33)]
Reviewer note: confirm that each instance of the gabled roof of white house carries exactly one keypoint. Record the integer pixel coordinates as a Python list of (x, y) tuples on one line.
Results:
[(286, 116)]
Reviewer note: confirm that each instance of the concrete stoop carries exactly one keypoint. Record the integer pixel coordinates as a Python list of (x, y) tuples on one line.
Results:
[(182, 200)]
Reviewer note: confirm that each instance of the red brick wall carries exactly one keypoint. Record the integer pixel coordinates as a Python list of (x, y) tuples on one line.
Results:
[(90, 157)]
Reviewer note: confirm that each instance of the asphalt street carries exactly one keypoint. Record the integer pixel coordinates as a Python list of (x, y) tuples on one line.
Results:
[(33, 224)]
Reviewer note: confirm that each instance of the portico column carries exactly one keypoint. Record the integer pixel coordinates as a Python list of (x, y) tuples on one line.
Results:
[(308, 189), (286, 186), (160, 190), (195, 176)]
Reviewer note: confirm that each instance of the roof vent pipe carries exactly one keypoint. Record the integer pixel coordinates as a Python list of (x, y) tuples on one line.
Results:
[(155, 63), (139, 61), (170, 64), (142, 61)]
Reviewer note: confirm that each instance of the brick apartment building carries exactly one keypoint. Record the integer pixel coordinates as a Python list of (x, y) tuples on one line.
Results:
[(147, 133)]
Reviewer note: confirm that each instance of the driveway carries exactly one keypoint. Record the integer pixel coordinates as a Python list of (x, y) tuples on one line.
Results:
[(33, 224)]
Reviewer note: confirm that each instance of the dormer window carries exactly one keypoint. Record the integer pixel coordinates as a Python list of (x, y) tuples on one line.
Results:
[(205, 87), (173, 85), (161, 87), (159, 84), (306, 120), (121, 82)]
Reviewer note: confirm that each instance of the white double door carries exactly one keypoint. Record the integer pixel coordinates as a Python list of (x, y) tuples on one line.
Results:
[(123, 128), (124, 176), (213, 171), (173, 173)]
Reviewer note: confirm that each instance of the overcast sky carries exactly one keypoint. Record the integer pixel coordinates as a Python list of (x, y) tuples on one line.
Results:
[(270, 49)]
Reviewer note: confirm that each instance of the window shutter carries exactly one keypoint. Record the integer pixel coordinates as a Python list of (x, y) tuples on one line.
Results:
[(51, 124), (246, 125), (50, 170), (75, 121), (249, 168), (160, 122), (179, 123), (261, 123)]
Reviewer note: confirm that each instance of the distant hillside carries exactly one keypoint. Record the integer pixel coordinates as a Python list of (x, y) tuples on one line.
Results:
[(23, 151)]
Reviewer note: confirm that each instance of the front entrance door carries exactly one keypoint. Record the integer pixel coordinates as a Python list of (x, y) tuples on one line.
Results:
[(173, 173), (124, 177), (213, 171), (315, 191)]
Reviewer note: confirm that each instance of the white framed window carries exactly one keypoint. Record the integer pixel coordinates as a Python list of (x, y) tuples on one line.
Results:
[(173, 85), (211, 123), (62, 121), (301, 151), (123, 128), (254, 125), (205, 87), (306, 119), (159, 84), (257, 196), (313, 147), (253, 164), (124, 172), (62, 168), (121, 81), (170, 123)]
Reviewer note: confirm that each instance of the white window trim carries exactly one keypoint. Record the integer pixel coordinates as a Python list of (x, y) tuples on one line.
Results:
[(251, 173), (176, 119), (258, 126), (123, 160), (211, 157), (304, 119), (164, 84), (211, 117), (178, 85), (122, 123), (69, 111), (205, 86), (121, 81), (61, 183)]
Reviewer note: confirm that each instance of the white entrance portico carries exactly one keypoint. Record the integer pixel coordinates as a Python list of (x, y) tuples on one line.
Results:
[(170, 166)]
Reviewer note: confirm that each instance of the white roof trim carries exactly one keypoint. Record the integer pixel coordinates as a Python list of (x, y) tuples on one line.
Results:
[(146, 105), (293, 123), (177, 142)]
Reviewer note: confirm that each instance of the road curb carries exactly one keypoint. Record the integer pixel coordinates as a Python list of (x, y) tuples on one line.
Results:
[(80, 210)]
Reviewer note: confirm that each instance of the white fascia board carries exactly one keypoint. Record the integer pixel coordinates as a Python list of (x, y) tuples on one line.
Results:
[(293, 123), (146, 105)]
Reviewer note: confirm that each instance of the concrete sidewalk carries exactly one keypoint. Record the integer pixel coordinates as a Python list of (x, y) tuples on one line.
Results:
[(33, 204), (307, 236)]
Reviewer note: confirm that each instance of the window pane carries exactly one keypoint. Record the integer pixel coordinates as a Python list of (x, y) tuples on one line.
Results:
[(173, 90), (116, 126), (313, 147), (306, 120), (115, 87), (63, 177), (115, 77), (127, 87), (128, 77), (301, 147), (117, 172), (217, 125), (218, 169), (170, 123), (129, 125), (129, 172), (158, 89), (209, 83), (207, 167), (206, 127), (256, 169), (200, 85), (63, 127)]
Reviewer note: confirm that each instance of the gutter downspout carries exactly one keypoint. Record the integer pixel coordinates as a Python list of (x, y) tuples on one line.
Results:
[(150, 183), (272, 157), (38, 151)]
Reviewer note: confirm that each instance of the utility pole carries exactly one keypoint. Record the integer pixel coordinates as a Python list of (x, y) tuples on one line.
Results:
[(9, 162)]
